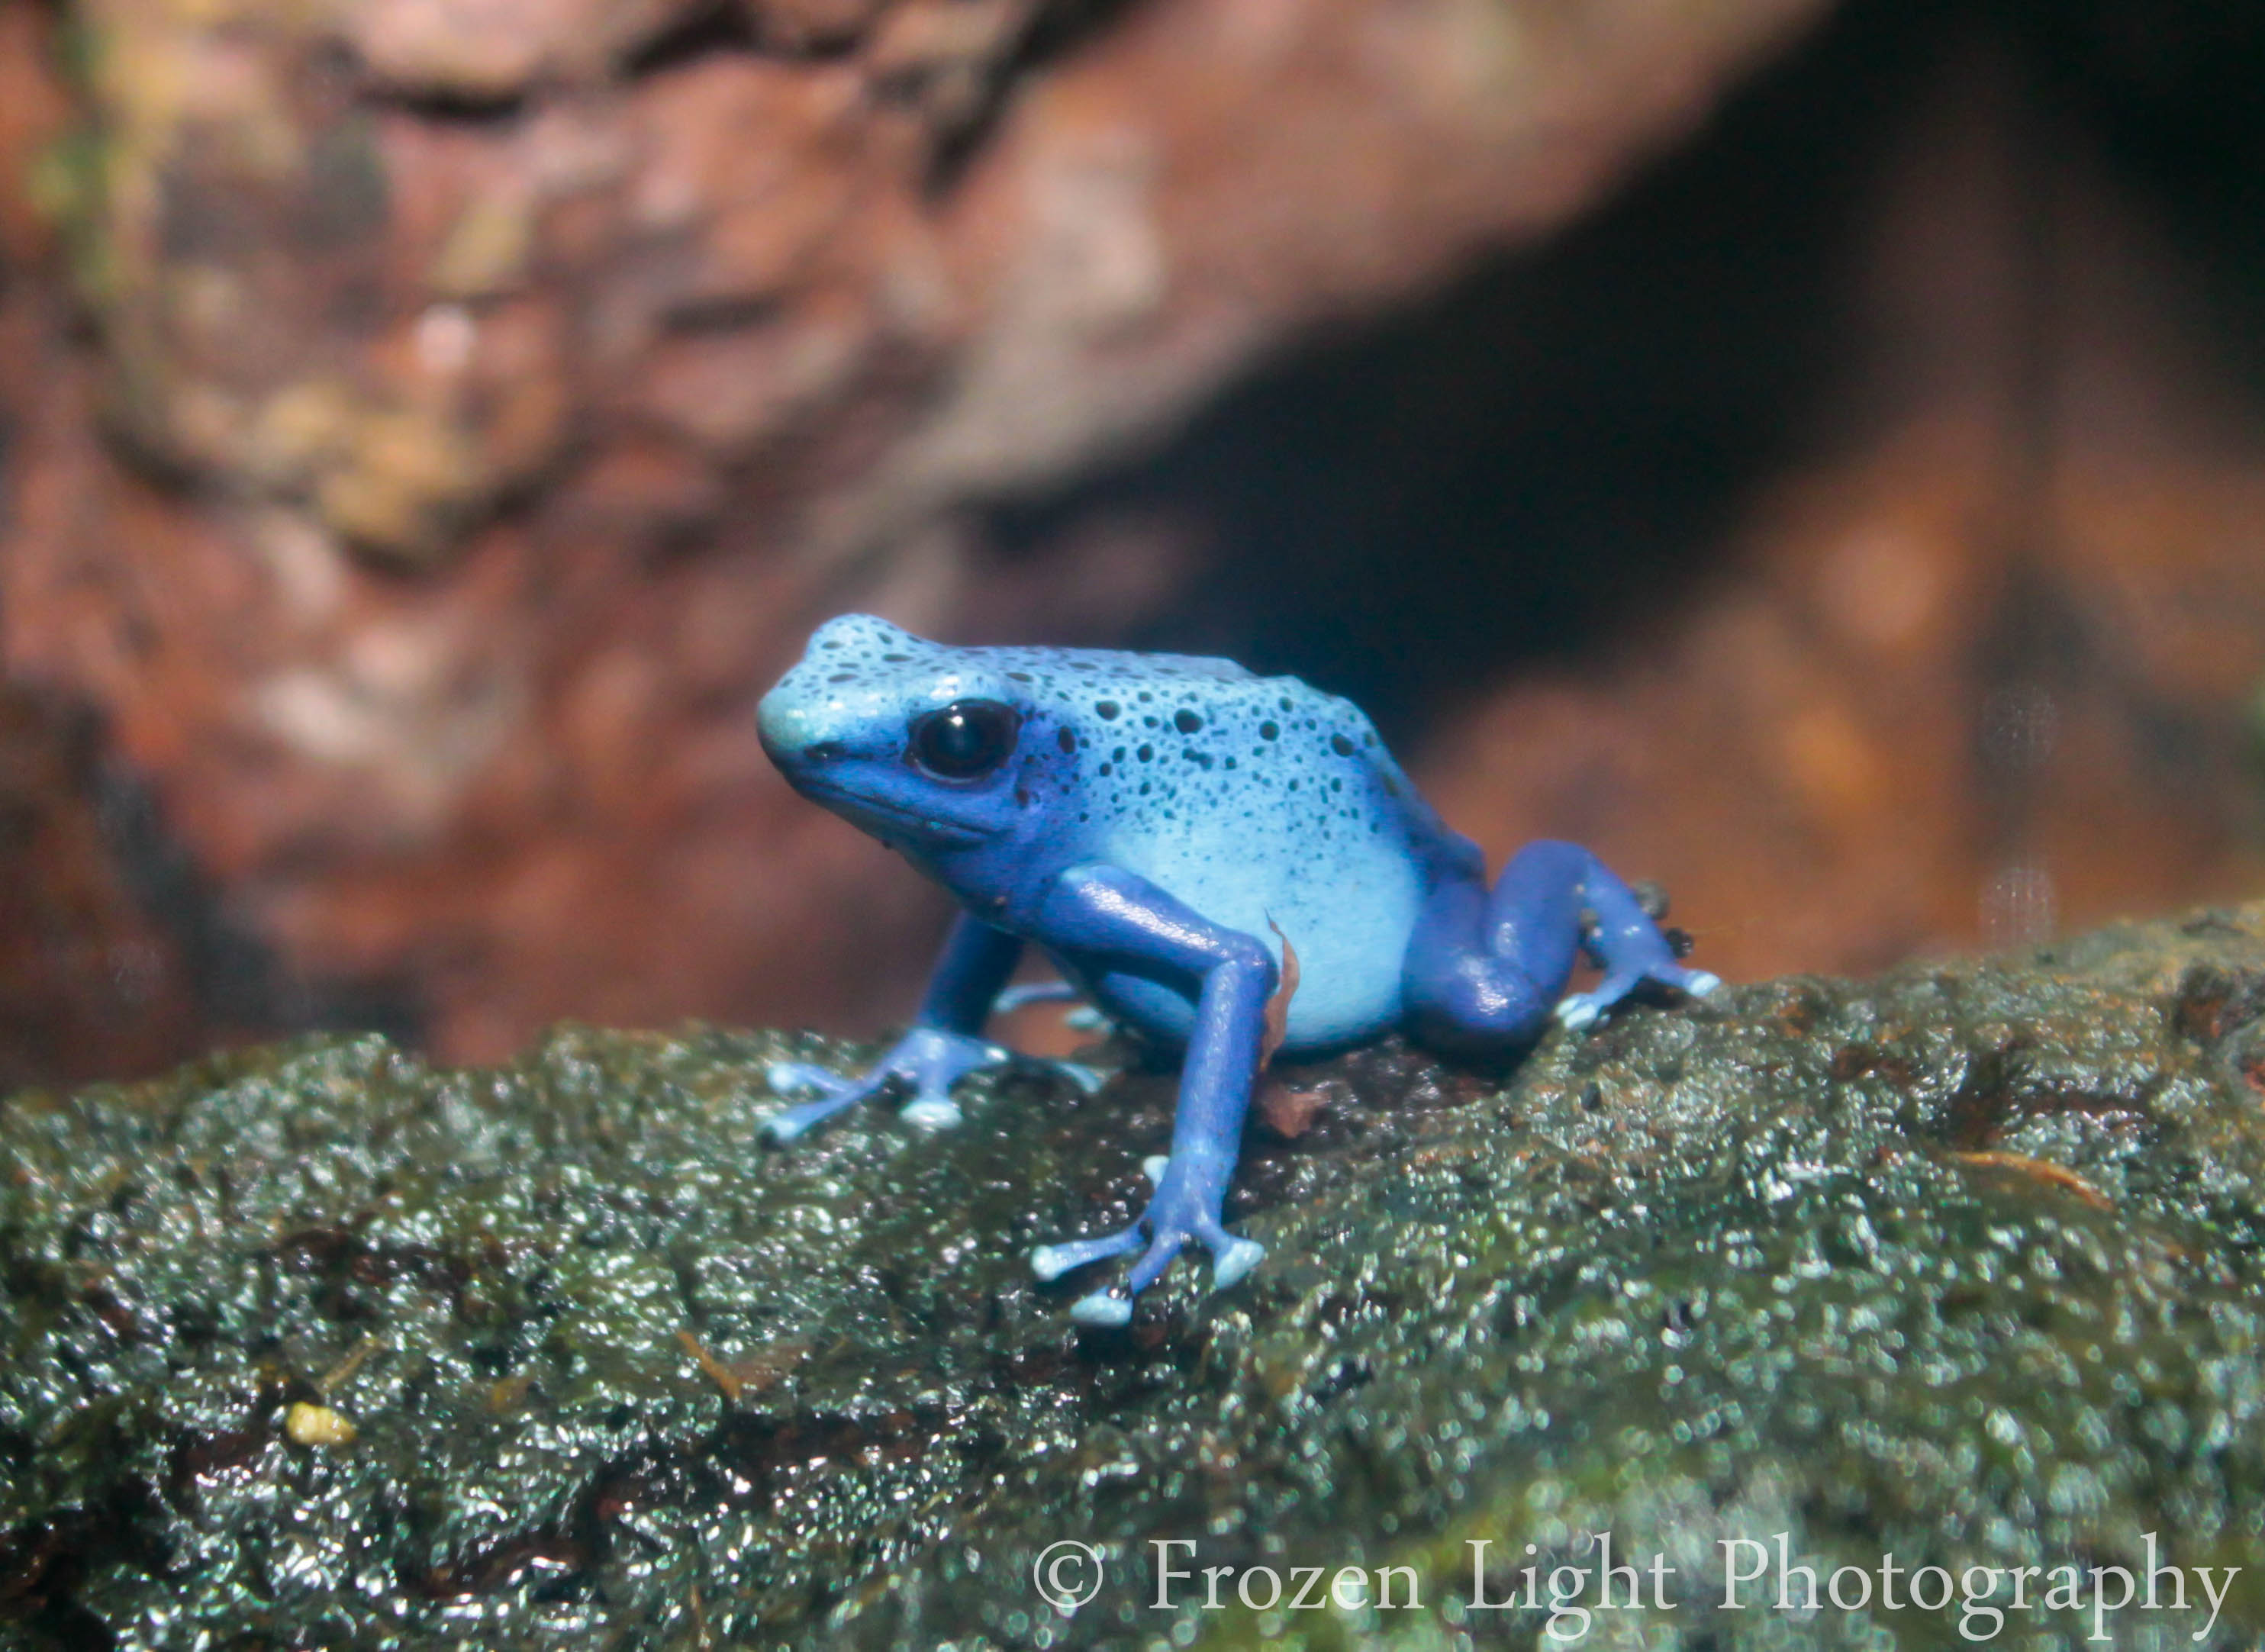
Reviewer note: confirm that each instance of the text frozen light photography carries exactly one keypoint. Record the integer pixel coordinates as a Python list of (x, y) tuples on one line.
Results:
[(1745, 1574)]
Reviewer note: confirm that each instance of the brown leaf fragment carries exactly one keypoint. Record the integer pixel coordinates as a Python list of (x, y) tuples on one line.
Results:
[(1277, 1006), (721, 1374), (343, 1372), (2041, 1169), (757, 1371), (1288, 1113)]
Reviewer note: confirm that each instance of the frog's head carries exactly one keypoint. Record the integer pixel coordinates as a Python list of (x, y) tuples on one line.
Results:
[(920, 745)]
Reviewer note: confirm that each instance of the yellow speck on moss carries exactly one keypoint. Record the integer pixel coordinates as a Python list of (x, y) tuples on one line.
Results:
[(318, 1425)]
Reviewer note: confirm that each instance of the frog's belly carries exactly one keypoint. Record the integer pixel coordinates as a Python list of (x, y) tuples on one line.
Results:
[(1348, 925)]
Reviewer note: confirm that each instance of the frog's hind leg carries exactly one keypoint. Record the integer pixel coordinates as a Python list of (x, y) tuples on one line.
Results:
[(1483, 970)]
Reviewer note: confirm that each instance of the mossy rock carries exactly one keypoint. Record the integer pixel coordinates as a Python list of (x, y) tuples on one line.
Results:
[(317, 1347)]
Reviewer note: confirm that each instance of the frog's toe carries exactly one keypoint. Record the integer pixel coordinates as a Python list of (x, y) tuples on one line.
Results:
[(1028, 993), (931, 1107), (931, 1112), (782, 1127), (788, 1077), (1088, 1080), (1178, 1214), (1697, 983), (1051, 1262), (1229, 1266), (834, 1094), (1103, 1310), (1579, 1010)]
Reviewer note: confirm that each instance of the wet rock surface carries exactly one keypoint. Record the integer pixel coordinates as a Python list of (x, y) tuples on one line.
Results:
[(317, 1346)]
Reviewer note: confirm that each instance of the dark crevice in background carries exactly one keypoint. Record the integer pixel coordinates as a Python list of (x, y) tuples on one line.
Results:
[(451, 108), (2171, 88), (719, 29), (1534, 464), (335, 71), (1545, 455)]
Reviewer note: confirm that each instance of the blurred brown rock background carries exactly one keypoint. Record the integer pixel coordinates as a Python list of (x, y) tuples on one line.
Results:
[(1817, 456)]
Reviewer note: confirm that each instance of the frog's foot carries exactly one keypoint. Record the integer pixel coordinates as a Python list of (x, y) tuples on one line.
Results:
[(1084, 1018), (1088, 1080), (1181, 1210), (929, 1060), (1581, 1010), (1015, 997)]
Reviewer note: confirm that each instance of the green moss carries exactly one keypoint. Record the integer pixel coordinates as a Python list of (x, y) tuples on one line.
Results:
[(1962, 1265)]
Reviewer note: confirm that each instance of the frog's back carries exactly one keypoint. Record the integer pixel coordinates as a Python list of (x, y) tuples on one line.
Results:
[(1263, 805)]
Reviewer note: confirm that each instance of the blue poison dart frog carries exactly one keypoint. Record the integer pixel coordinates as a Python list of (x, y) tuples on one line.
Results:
[(1165, 827)]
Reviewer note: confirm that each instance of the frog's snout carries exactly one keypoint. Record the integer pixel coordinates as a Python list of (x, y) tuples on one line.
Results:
[(792, 738)]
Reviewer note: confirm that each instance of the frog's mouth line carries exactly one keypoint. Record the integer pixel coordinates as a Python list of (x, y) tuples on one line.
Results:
[(891, 819)]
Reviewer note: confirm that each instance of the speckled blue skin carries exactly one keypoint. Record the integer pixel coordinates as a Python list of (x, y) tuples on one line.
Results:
[(1156, 821)]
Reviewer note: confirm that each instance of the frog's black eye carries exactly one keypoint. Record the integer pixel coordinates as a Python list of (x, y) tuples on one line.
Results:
[(965, 740)]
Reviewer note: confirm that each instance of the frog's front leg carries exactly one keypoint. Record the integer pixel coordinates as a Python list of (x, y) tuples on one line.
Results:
[(943, 1044), (1483, 970), (1129, 924)]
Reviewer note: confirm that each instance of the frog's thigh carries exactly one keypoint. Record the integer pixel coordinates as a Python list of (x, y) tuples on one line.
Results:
[(1150, 1006), (1461, 995)]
